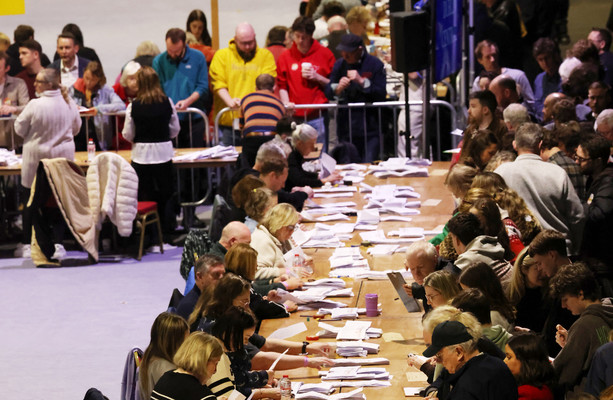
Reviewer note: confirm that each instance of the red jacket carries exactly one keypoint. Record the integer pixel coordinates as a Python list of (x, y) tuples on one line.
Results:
[(289, 75), (528, 392)]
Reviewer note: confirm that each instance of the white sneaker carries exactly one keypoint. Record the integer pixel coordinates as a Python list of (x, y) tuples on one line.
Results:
[(22, 251), (60, 252)]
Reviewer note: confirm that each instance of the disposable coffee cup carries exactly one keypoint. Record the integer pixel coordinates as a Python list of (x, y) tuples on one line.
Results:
[(372, 304), (306, 66)]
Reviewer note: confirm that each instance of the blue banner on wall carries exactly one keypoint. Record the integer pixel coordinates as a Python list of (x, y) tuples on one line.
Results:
[(448, 38)]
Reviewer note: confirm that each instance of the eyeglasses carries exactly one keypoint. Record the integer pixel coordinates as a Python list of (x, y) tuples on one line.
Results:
[(431, 297), (40, 81), (580, 159), (291, 227)]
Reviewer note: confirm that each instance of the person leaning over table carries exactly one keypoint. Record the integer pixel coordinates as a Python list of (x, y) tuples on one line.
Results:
[(304, 137), (233, 290), (474, 375)]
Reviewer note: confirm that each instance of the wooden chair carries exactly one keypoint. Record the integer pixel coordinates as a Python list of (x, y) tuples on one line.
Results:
[(145, 210)]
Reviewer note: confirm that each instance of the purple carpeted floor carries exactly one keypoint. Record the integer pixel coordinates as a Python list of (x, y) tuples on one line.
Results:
[(68, 329)]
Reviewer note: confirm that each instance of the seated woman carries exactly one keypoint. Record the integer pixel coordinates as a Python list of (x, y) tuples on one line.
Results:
[(196, 362), (151, 123), (508, 200), (241, 260), (234, 328), (233, 290), (441, 287), (527, 292), (92, 92), (167, 334), (271, 240), (126, 88), (304, 138), (481, 276), (527, 359), (480, 149)]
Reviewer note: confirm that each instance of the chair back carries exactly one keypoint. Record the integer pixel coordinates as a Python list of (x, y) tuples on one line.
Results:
[(220, 216), (197, 244), (129, 383)]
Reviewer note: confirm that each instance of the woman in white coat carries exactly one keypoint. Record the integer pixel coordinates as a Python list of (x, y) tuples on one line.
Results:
[(271, 240), (47, 125)]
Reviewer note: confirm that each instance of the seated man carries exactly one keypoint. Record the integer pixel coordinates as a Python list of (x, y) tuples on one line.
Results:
[(234, 232), (423, 259), (577, 289), (208, 270), (473, 246), (272, 168)]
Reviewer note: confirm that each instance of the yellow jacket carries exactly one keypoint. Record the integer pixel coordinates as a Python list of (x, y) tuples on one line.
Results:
[(228, 70)]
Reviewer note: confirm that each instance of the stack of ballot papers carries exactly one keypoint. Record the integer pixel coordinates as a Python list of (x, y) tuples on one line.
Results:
[(353, 395), (214, 152), (360, 361), (313, 294), (356, 348), (382, 192), (324, 387), (335, 189), (367, 219), (408, 232), (8, 158), (354, 372), (328, 282), (382, 275), (351, 167), (378, 237), (342, 313), (353, 330), (343, 231)]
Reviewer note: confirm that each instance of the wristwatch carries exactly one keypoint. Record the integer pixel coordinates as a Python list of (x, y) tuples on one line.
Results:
[(304, 346)]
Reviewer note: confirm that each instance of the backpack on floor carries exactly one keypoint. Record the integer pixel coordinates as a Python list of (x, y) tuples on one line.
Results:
[(197, 244)]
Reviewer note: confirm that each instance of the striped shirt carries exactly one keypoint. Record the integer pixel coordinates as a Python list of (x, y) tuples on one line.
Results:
[(260, 112)]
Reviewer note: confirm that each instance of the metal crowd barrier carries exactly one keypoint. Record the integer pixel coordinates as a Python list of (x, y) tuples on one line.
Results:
[(395, 106)]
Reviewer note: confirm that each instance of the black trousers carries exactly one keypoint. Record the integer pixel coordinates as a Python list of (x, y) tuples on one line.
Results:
[(156, 183)]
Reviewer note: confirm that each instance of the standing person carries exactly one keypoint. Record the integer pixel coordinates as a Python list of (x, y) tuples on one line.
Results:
[(303, 74), (21, 34), (82, 51), (126, 89), (70, 65), (47, 126), (592, 157), (233, 74), (13, 98), (92, 92), (196, 362), (358, 77), (196, 24), (183, 75), (29, 57), (547, 55), (278, 40), (167, 334), (527, 359), (151, 123)]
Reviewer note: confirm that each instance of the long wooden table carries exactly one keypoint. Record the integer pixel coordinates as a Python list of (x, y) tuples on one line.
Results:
[(394, 317)]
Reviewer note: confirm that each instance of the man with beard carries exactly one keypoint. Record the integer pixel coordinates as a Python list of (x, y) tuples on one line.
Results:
[(233, 74), (184, 78)]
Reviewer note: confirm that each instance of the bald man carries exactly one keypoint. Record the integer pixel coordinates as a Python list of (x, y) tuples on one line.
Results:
[(233, 74), (550, 101), (234, 232)]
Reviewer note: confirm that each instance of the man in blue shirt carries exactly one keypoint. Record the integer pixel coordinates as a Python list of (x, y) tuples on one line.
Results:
[(547, 54), (184, 77)]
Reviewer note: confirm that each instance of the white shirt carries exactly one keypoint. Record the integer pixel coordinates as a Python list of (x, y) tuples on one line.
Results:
[(69, 75)]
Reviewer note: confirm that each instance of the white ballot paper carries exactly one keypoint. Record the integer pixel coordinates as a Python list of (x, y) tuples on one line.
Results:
[(353, 330), (361, 361), (328, 165), (288, 331), (274, 364), (236, 395)]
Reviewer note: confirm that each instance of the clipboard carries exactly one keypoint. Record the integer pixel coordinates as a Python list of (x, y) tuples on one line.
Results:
[(398, 281)]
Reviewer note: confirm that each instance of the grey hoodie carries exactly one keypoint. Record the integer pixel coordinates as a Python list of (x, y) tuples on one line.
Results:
[(486, 249), (588, 333)]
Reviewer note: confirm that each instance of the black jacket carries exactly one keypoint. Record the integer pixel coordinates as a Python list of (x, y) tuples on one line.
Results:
[(598, 232), (297, 176)]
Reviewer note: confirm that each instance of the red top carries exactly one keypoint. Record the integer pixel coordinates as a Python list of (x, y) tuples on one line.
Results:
[(289, 75), (528, 392)]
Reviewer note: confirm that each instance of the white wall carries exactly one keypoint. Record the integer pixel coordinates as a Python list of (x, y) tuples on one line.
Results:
[(115, 27)]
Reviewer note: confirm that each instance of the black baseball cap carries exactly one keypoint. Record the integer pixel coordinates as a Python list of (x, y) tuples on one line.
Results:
[(350, 42), (446, 334)]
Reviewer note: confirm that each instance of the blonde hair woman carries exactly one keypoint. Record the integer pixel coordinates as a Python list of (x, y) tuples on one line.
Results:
[(196, 362), (440, 287), (271, 240)]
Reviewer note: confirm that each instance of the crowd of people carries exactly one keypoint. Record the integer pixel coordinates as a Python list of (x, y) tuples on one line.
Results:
[(521, 272)]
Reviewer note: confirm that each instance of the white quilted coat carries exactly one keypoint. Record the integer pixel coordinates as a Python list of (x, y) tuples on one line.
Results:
[(112, 187)]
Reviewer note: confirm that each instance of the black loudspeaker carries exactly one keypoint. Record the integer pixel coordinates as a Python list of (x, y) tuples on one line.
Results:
[(410, 32), (396, 6)]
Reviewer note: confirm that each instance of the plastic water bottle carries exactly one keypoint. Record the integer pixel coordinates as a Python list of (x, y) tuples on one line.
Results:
[(297, 265), (286, 388), (91, 150)]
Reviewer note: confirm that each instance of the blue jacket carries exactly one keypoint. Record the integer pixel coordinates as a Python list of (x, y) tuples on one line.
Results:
[(82, 64), (180, 80)]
